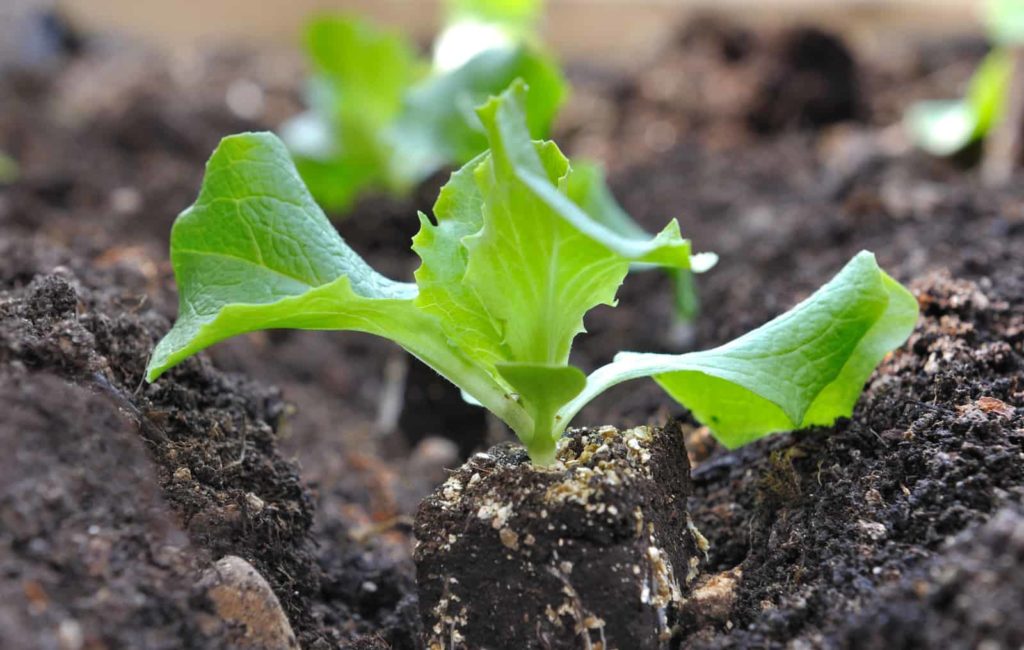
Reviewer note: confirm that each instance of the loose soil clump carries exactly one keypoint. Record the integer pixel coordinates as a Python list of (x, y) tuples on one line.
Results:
[(90, 553), (968, 596), (213, 459)]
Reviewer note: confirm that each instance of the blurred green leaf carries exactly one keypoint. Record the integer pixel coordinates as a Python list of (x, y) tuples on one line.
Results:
[(513, 13), (377, 120), (9, 169), (439, 125), (1004, 20), (945, 127)]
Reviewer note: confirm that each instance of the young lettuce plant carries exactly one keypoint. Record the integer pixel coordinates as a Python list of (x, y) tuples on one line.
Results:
[(992, 109), (379, 118), (510, 265)]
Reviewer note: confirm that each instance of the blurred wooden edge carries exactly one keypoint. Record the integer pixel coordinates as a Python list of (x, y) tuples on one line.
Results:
[(614, 33)]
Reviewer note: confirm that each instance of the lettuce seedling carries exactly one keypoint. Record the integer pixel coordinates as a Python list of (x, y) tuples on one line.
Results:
[(379, 118), (946, 127), (510, 264)]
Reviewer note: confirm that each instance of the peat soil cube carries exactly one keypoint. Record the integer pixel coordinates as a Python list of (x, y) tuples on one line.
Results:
[(595, 551)]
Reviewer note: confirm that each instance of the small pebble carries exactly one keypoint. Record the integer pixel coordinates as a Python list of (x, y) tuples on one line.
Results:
[(251, 614)]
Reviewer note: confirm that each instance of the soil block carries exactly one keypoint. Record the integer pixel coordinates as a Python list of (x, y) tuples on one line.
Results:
[(596, 550)]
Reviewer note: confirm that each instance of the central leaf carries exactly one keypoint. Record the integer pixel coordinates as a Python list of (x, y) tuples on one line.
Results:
[(513, 264)]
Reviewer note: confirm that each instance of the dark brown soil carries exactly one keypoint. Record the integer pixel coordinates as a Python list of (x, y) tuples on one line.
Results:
[(89, 550), (966, 597), (885, 530), (593, 550), (823, 524)]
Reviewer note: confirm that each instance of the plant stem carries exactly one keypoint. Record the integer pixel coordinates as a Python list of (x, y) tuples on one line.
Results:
[(1003, 145), (541, 449)]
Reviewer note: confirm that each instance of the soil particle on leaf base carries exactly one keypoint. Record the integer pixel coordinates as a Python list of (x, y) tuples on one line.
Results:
[(595, 551)]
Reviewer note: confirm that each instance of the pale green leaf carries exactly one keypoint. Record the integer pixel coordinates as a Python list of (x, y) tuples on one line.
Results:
[(9, 169), (360, 77), (501, 264), (543, 390), (540, 263), (508, 12), (376, 123), (367, 69), (459, 214), (1005, 21), (942, 127), (806, 367), (256, 252), (475, 26), (439, 125)]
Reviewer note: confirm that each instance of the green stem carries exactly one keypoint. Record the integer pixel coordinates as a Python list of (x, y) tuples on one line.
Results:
[(541, 448)]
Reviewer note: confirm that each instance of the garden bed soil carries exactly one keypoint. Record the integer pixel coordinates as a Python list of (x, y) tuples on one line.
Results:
[(118, 497)]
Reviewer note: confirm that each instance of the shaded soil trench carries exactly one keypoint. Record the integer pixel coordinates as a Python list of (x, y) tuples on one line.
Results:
[(117, 497)]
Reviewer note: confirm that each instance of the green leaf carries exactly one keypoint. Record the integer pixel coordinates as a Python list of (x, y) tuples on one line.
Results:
[(338, 168), (360, 77), (459, 213), (439, 124), (540, 263), (986, 93), (512, 264), (376, 123), (589, 189), (544, 390), (475, 26), (368, 69), (806, 367), (255, 238), (1005, 21), (945, 127), (255, 252), (942, 127), (507, 12)]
